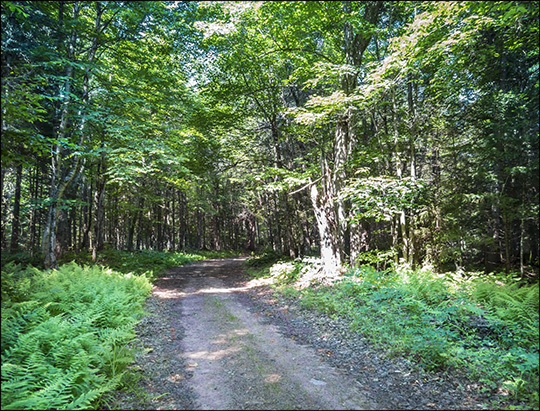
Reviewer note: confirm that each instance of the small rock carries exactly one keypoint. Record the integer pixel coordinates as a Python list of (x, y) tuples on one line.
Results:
[(317, 382)]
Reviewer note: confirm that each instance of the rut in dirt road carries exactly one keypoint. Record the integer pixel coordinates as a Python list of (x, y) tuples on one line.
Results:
[(239, 362)]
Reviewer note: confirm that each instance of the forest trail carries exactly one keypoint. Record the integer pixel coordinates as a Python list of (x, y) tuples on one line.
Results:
[(236, 361)]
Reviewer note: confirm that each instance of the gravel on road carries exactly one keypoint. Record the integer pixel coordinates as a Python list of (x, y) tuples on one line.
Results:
[(215, 339)]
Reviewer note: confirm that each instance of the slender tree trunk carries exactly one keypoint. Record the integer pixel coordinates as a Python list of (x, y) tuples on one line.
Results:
[(3, 208), (133, 223), (48, 243), (173, 221), (87, 216), (61, 177), (33, 211), (394, 231), (411, 91), (99, 196), (507, 239), (16, 226), (118, 227), (521, 248)]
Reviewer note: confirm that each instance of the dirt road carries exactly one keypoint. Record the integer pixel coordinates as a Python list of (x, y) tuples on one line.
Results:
[(238, 362), (212, 341)]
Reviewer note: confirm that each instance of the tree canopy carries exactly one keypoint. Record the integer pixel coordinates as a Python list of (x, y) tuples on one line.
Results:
[(362, 132)]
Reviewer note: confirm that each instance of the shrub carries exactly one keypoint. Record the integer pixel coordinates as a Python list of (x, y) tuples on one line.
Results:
[(149, 262), (285, 271)]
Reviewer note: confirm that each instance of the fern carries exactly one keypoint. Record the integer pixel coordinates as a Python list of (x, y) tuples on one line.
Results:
[(510, 303), (64, 345)]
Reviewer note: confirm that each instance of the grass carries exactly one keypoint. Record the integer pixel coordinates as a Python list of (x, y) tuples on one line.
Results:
[(271, 264), (149, 262), (484, 326)]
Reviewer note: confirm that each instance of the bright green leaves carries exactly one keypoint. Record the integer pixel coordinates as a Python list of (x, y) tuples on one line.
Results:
[(155, 161), (382, 198), (64, 334), (146, 102), (320, 110)]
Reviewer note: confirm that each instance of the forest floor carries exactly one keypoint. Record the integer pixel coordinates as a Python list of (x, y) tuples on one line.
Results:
[(215, 339)]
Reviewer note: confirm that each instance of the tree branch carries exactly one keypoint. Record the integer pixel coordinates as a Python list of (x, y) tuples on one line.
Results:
[(307, 185)]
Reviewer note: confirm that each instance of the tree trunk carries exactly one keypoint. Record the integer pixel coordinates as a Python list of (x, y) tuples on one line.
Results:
[(329, 248), (330, 211), (33, 212), (99, 197), (3, 208), (507, 238), (341, 157), (16, 226), (323, 207), (133, 223), (61, 178)]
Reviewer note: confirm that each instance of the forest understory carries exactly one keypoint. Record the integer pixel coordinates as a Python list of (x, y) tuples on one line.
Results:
[(70, 336)]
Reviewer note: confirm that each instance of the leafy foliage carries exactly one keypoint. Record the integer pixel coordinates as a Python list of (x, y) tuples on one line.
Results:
[(409, 129), (264, 259), (64, 334), (147, 262), (381, 198)]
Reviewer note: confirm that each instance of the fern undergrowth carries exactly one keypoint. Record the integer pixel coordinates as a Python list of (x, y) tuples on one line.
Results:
[(65, 333)]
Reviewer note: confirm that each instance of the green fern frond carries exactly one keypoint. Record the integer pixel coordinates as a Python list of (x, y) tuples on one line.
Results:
[(62, 346), (510, 303)]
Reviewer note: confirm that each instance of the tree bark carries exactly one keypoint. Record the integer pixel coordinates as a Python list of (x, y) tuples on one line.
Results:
[(327, 225), (330, 210), (16, 226), (99, 196)]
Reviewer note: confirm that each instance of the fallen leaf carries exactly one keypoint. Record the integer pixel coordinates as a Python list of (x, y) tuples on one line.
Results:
[(176, 377)]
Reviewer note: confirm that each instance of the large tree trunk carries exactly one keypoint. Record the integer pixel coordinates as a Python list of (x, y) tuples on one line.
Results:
[(330, 210), (341, 158), (327, 225)]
